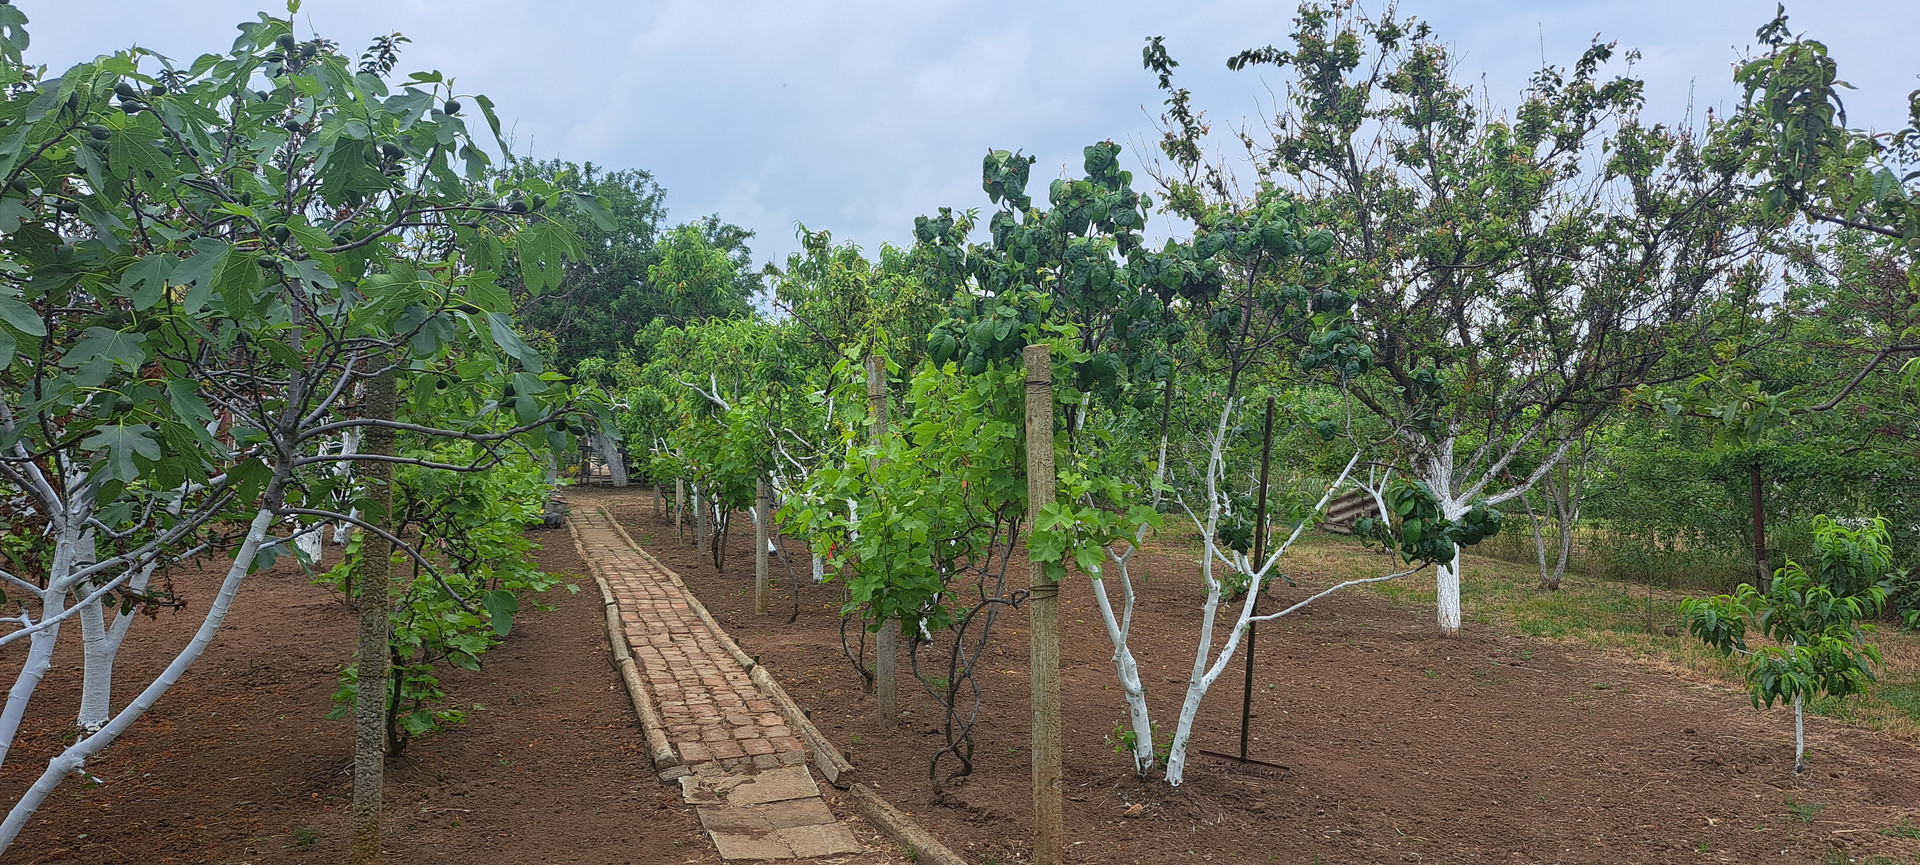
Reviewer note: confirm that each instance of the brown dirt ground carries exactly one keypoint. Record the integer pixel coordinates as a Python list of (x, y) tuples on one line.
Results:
[(238, 763), (1401, 745)]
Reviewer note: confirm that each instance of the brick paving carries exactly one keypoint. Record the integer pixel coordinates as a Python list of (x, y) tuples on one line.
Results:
[(711, 708), (741, 768)]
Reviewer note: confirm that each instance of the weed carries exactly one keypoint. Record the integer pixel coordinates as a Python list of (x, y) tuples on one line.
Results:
[(1805, 811), (1906, 829), (305, 837)]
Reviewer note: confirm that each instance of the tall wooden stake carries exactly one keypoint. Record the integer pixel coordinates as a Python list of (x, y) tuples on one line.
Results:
[(886, 643), (679, 506), (1259, 556), (1043, 605), (1759, 503), (376, 589), (762, 528)]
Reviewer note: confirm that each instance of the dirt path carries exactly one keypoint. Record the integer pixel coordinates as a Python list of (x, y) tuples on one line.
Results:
[(238, 764), (1402, 746)]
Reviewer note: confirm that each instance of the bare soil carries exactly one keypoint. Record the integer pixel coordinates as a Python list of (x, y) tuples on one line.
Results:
[(1399, 745), (239, 764)]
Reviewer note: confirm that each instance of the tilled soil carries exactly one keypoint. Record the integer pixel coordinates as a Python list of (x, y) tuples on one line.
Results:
[(1399, 745), (238, 763)]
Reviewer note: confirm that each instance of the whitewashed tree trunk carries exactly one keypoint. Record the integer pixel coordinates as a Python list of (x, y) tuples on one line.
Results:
[(73, 549), (1446, 575), (1799, 734), (1125, 668), (96, 647), (610, 453), (34, 668), (74, 759), (1204, 674), (349, 445)]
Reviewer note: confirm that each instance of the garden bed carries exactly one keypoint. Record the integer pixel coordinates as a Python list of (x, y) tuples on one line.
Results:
[(1400, 745)]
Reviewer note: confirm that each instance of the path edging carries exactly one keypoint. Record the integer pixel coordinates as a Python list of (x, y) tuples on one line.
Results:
[(891, 821), (827, 758), (659, 748)]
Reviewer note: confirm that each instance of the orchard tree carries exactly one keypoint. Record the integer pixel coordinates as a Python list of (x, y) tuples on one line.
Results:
[(1514, 274), (207, 275), (1854, 298)]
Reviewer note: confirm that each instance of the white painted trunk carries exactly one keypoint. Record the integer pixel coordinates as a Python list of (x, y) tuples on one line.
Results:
[(1197, 684), (39, 659), (610, 453), (96, 686), (74, 758), (1799, 734), (70, 548), (1128, 672), (349, 444), (1446, 575)]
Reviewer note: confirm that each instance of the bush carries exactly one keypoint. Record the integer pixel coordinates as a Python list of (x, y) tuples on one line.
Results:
[(471, 528)]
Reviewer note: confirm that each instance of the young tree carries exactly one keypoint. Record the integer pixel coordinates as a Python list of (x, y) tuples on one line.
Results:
[(1814, 618), (202, 269)]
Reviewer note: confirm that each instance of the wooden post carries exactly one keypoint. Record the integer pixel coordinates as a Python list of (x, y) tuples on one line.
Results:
[(702, 517), (762, 529), (1759, 504), (1259, 556), (1043, 605), (679, 506), (886, 643), (376, 590)]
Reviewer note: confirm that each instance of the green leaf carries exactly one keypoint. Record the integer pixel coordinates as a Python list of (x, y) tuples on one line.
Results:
[(504, 336), (501, 605), (146, 280), (487, 294), (249, 478), (493, 123), (121, 442), (21, 317), (100, 343), (597, 208)]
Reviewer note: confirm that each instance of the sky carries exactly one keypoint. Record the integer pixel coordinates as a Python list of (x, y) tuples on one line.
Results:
[(857, 117)]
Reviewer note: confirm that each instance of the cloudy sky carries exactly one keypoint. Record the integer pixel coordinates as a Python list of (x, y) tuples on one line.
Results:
[(857, 117)]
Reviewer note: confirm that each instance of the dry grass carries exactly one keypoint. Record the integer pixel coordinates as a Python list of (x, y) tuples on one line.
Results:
[(1612, 617)]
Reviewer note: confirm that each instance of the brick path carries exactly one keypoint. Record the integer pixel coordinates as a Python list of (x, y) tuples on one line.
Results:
[(745, 772)]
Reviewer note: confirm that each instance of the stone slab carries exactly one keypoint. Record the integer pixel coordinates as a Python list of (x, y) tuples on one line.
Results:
[(747, 819), (774, 785), (751, 846), (831, 839)]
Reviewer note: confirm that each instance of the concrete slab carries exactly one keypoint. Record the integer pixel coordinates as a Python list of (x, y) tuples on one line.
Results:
[(787, 782), (751, 846), (747, 819), (832, 839)]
